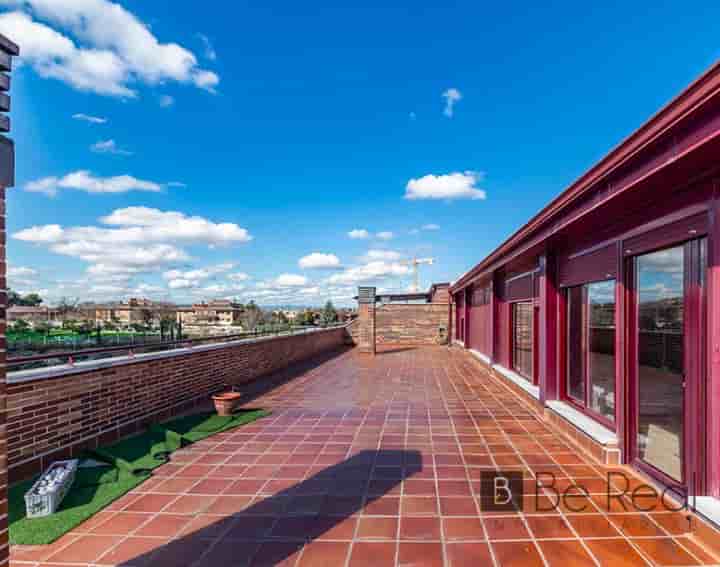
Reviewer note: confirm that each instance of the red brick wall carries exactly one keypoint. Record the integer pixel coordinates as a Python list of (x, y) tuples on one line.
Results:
[(441, 294), (4, 543), (411, 324), (58, 417)]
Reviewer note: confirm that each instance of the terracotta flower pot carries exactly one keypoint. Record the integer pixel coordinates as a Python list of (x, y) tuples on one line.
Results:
[(226, 402)]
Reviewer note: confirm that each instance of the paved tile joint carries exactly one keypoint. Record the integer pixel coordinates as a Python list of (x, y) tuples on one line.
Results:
[(375, 461)]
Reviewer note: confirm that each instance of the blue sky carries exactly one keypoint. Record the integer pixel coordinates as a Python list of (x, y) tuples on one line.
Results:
[(256, 134)]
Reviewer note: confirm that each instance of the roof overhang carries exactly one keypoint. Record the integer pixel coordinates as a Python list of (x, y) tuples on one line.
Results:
[(702, 93)]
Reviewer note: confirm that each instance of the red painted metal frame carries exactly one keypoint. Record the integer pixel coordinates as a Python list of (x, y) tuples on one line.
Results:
[(583, 406), (547, 340), (633, 394), (621, 355), (712, 408), (694, 470), (533, 341), (466, 315)]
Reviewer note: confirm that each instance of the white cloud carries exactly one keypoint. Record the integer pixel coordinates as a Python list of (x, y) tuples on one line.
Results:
[(221, 290), (140, 239), (359, 234), (112, 272), (179, 227), (374, 270), (22, 277), (20, 272), (108, 147), (385, 235), (89, 118), (84, 180), (140, 256), (389, 255), (290, 280), (209, 50), (318, 260), (54, 55), (238, 277), (430, 226), (315, 290), (193, 277), (181, 283), (111, 51), (145, 289), (450, 186), (104, 290), (41, 234), (166, 101), (451, 96)]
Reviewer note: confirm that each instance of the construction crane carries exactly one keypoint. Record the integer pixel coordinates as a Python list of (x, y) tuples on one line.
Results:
[(414, 263)]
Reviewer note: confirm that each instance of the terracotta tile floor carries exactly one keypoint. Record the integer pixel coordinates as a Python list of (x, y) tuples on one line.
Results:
[(373, 461)]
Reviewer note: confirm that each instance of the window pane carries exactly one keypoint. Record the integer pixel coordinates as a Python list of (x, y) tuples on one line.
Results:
[(576, 343), (601, 347), (522, 338), (660, 358)]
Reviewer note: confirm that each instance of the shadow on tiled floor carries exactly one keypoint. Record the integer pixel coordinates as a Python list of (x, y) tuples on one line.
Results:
[(377, 461)]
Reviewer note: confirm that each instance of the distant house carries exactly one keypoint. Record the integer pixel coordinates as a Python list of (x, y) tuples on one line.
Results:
[(216, 312), (28, 314), (133, 311)]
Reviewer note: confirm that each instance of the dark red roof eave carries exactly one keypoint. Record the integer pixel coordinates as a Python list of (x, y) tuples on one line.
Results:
[(704, 88)]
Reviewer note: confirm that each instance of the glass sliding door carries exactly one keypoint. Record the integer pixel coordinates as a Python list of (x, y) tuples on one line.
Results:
[(601, 348), (660, 381), (576, 343), (590, 347), (522, 335)]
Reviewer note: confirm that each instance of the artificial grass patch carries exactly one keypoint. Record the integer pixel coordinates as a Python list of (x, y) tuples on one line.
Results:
[(129, 464), (80, 503)]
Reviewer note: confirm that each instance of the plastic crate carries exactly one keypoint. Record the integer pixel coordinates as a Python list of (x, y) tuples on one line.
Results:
[(45, 497)]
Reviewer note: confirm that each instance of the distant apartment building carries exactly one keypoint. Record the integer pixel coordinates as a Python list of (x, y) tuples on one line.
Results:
[(216, 312), (133, 311), (28, 314)]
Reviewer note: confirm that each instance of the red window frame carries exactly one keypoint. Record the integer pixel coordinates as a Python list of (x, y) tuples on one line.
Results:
[(533, 338), (582, 405), (693, 440)]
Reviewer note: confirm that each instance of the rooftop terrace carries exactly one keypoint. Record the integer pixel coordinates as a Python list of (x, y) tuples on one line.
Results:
[(376, 461)]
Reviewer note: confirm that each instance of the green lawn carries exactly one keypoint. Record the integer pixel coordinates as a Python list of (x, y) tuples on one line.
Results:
[(129, 463)]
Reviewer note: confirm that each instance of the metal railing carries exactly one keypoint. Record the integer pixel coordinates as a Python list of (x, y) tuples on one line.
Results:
[(74, 356)]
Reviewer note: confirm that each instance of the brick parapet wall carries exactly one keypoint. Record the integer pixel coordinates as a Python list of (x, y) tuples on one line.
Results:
[(354, 330), (8, 50), (58, 416), (4, 541), (412, 324)]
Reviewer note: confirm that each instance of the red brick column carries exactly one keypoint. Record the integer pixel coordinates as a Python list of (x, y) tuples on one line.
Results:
[(7, 179), (366, 319)]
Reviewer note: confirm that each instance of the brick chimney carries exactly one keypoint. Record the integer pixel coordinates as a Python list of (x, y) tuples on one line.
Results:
[(366, 319)]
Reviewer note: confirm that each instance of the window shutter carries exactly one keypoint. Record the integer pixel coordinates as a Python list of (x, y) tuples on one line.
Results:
[(597, 265), (520, 287)]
